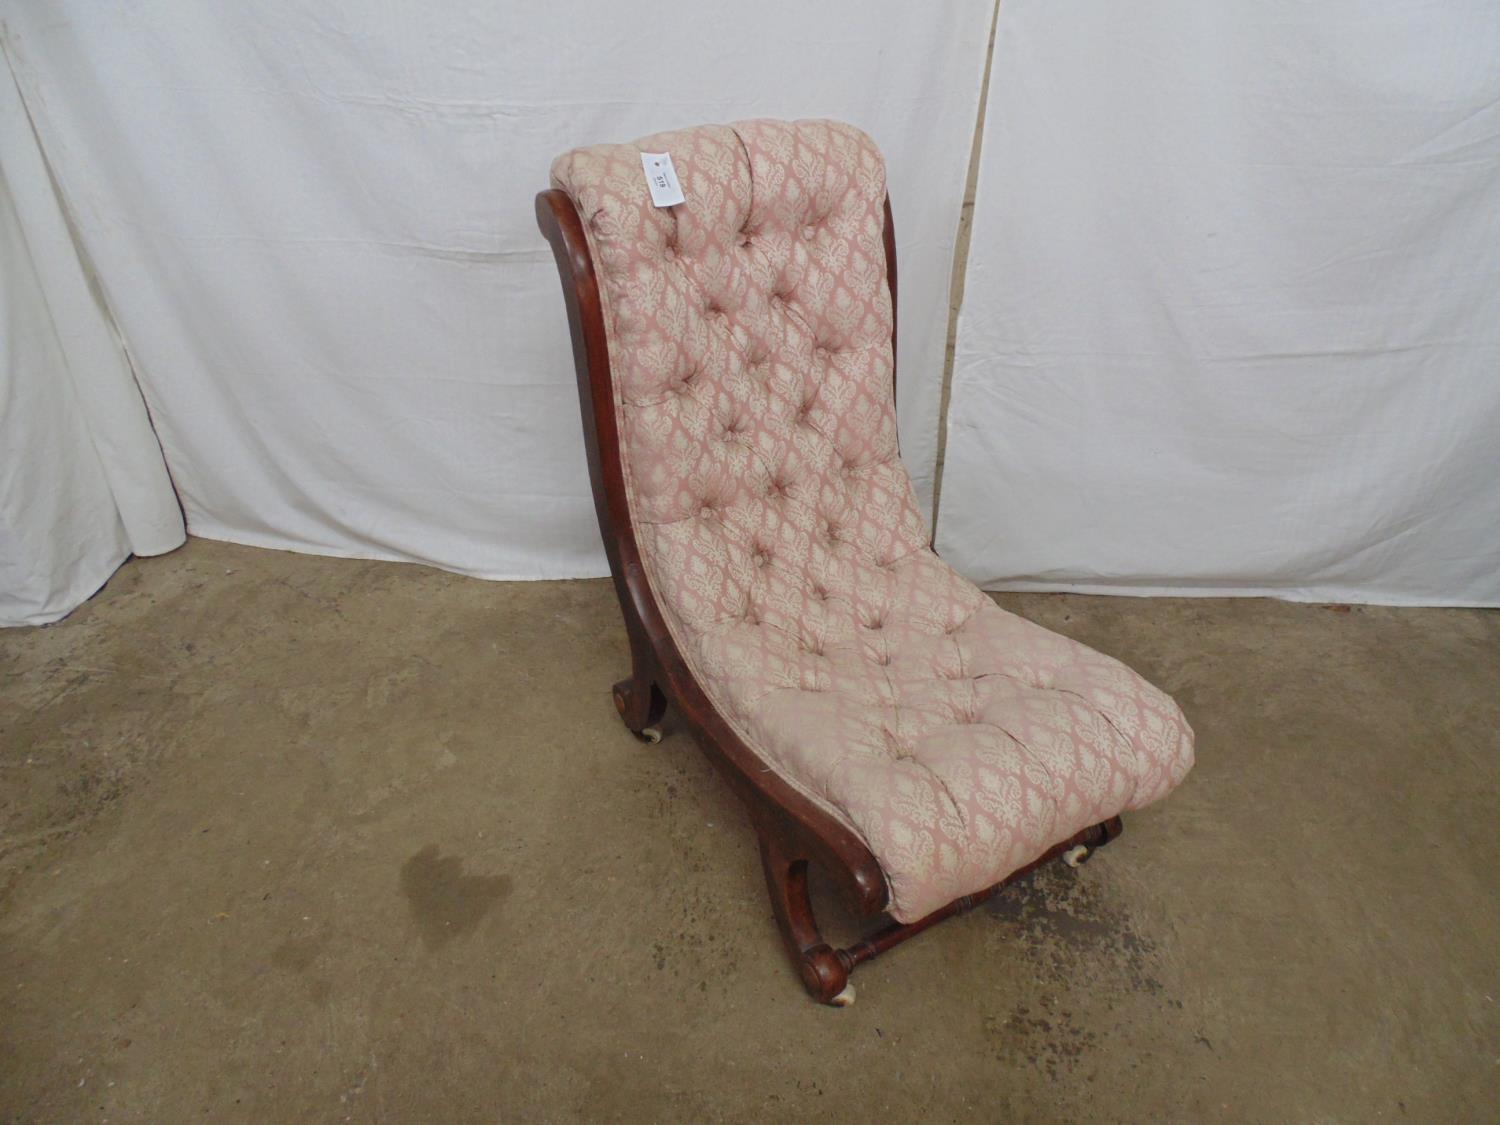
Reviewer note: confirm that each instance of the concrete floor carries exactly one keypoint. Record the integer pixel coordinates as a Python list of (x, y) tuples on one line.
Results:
[(305, 839)]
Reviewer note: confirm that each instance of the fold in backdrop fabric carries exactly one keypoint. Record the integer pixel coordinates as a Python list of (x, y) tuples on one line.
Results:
[(82, 481), (1232, 319), (314, 225), (1231, 315)]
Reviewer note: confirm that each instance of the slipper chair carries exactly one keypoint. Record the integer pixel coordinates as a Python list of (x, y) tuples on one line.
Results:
[(879, 715)]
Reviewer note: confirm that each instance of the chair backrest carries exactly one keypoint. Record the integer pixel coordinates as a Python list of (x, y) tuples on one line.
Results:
[(750, 344)]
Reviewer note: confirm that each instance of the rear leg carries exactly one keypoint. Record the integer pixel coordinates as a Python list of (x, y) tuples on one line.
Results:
[(641, 705)]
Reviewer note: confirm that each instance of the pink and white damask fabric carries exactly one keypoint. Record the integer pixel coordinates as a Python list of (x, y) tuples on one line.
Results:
[(750, 338)]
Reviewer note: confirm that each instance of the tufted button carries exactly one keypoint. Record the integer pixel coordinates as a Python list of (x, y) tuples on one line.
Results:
[(761, 558), (670, 254), (705, 512), (884, 659), (820, 593), (808, 233)]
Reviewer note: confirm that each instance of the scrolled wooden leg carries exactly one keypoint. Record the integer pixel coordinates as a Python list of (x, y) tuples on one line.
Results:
[(641, 705), (824, 970)]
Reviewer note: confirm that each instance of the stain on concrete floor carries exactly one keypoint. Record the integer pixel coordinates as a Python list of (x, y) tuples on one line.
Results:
[(304, 839), (445, 903)]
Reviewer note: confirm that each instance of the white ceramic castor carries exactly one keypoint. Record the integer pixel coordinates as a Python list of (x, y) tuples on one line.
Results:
[(651, 734), (1075, 855), (844, 998)]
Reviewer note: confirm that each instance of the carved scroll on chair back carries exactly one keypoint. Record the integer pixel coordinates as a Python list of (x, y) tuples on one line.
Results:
[(878, 714)]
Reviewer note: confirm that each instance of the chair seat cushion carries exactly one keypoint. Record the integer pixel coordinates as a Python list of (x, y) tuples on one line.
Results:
[(749, 334), (960, 741)]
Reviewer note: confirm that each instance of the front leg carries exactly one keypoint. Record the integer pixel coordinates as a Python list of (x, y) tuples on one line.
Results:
[(823, 972)]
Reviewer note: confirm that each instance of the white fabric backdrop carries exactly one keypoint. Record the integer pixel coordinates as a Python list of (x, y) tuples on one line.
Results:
[(1232, 321), (82, 481), (314, 224)]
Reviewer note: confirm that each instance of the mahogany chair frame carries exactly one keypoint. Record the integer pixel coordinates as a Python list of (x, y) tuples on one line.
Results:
[(793, 831)]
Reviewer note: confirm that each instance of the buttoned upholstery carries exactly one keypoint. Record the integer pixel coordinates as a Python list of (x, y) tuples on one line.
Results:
[(749, 334)]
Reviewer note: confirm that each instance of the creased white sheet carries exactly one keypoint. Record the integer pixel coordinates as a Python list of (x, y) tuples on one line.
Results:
[(314, 222), (1232, 322), (82, 480)]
